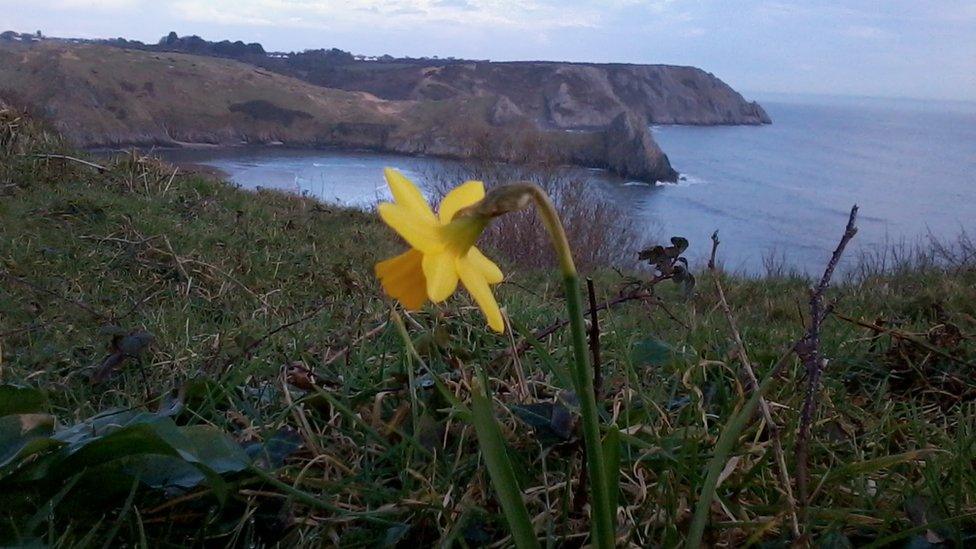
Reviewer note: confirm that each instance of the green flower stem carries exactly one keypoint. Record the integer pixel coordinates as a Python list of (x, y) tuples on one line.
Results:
[(602, 515)]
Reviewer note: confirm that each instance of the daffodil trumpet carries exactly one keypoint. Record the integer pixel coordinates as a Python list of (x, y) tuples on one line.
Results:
[(443, 253)]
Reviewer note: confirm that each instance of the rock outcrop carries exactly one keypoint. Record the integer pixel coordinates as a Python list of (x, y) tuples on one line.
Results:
[(505, 112), (631, 150)]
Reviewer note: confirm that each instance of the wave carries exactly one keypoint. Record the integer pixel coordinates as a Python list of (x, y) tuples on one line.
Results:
[(685, 180)]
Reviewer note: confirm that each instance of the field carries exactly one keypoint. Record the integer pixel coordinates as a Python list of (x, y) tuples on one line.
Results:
[(183, 363)]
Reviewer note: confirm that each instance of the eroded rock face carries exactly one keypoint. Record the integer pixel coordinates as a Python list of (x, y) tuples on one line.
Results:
[(625, 147), (682, 95), (631, 150), (580, 97), (505, 112)]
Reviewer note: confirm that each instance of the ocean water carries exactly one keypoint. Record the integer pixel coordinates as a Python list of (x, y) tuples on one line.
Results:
[(786, 189), (780, 191)]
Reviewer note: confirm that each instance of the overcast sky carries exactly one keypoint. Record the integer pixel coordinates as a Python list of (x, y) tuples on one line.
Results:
[(889, 48)]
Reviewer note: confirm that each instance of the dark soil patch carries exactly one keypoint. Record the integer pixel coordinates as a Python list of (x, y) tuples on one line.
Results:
[(266, 110)]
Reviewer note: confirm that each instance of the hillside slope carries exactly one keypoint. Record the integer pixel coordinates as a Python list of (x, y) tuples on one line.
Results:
[(98, 95)]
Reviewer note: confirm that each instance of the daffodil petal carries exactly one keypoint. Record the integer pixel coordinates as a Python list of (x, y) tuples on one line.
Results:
[(477, 286), (441, 274), (460, 197), (420, 233), (406, 194), (487, 267), (403, 279)]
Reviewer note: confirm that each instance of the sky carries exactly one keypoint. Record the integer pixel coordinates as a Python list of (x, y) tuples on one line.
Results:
[(883, 48)]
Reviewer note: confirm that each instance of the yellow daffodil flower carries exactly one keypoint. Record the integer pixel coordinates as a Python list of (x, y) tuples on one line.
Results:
[(442, 248)]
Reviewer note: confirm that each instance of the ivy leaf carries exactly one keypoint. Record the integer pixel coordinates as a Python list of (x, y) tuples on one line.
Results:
[(274, 450), (551, 421), (679, 244), (653, 255)]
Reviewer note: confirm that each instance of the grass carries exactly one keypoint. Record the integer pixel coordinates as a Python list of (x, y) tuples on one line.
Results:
[(267, 325)]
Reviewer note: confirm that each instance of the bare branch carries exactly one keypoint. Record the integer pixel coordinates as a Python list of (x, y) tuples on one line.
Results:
[(813, 361), (259, 341)]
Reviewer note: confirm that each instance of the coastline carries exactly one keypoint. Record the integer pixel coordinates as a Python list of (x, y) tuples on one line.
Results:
[(587, 160)]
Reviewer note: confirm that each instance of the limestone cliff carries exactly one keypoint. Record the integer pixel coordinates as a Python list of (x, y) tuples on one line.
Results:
[(559, 95)]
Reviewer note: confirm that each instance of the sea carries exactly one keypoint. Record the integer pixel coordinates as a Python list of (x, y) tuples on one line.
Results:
[(779, 195)]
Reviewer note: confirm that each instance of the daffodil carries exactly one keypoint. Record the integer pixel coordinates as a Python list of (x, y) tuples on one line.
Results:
[(443, 253), (442, 250)]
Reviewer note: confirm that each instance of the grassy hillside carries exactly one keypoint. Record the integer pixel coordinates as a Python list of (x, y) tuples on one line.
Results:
[(265, 323), (98, 95)]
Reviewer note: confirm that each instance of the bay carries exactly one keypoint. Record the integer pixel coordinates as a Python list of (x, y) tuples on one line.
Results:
[(779, 193)]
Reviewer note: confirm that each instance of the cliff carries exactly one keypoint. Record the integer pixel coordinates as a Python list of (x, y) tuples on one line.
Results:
[(555, 94), (558, 95), (97, 95)]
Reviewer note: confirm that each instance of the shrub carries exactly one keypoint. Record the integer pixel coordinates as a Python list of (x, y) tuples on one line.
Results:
[(600, 232)]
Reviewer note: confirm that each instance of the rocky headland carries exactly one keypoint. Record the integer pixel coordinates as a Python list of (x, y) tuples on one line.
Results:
[(109, 95), (559, 95)]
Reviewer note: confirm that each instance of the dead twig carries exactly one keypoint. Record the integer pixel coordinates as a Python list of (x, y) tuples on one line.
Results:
[(581, 497), (344, 351), (29, 328), (813, 361), (638, 295), (258, 342), (99, 167), (774, 429), (898, 334), (170, 182), (135, 306), (181, 262), (75, 302)]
